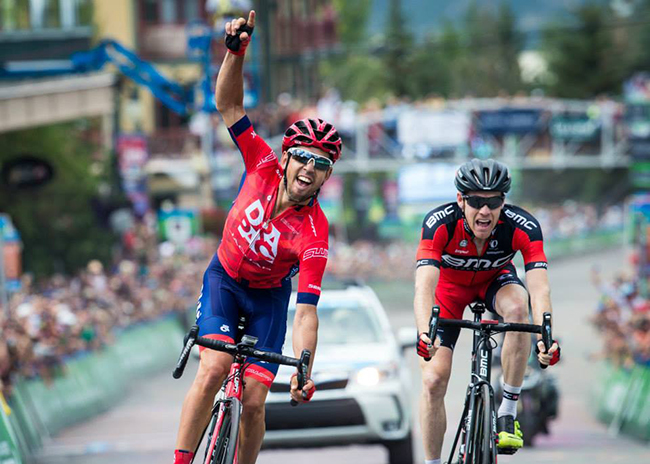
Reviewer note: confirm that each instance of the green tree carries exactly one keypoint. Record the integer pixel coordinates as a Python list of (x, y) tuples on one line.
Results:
[(357, 74), (398, 45), (586, 60), (56, 221)]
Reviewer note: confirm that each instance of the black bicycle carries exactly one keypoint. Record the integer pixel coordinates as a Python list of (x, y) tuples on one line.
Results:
[(477, 430)]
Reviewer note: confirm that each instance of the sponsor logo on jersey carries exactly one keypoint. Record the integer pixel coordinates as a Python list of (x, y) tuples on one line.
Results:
[(540, 265), (268, 158), (463, 243), (224, 328), (521, 220), (315, 287), (262, 239), (494, 243), (313, 228), (462, 252), (437, 215), (477, 264), (315, 253)]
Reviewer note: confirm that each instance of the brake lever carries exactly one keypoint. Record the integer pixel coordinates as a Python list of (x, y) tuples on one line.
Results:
[(305, 359), (547, 335), (433, 326)]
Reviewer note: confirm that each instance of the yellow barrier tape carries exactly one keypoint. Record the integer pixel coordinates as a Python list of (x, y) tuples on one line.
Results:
[(5, 406)]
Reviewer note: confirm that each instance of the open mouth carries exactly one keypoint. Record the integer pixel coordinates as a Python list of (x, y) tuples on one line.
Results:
[(483, 223), (304, 181)]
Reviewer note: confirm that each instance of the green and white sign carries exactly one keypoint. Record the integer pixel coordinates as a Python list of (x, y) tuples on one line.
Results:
[(178, 225)]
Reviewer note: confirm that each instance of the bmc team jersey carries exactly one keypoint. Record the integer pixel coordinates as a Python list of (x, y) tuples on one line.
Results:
[(467, 273), (262, 251)]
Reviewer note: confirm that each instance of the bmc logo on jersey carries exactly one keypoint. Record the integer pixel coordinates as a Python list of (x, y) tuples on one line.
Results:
[(251, 231), (437, 215), (521, 220), (475, 263), (315, 253)]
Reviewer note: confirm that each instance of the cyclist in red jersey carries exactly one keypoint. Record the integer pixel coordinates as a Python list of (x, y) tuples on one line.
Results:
[(465, 254), (274, 228)]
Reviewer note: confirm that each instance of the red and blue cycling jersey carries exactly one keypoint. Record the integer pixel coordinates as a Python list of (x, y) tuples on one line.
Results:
[(262, 250)]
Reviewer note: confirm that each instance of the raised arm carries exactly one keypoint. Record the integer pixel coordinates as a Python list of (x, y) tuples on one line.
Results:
[(229, 92)]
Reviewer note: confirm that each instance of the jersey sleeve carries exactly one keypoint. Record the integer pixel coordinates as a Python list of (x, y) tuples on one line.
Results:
[(253, 148), (528, 239), (313, 257), (312, 267), (433, 239)]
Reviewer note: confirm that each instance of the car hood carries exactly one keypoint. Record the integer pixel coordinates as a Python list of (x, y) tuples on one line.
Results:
[(340, 360)]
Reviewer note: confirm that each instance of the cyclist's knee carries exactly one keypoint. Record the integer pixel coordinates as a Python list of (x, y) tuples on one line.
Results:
[(253, 406), (514, 309), (434, 385), (212, 371)]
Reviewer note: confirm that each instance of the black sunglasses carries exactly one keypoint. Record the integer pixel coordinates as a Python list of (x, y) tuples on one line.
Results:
[(479, 202), (321, 163)]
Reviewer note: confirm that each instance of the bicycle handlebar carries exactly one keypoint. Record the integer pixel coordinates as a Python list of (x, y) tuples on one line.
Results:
[(492, 327), (192, 339)]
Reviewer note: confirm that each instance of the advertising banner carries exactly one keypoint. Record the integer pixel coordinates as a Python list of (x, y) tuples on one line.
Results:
[(575, 128), (510, 121), (132, 157), (426, 183), (436, 129)]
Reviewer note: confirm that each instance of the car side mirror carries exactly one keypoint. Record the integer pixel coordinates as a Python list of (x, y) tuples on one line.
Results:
[(407, 337)]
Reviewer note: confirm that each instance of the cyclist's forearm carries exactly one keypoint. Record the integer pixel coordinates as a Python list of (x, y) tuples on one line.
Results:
[(305, 330), (540, 293), (426, 279), (229, 91)]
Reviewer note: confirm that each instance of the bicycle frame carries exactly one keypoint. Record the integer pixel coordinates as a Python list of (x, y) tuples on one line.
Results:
[(481, 374), (233, 387)]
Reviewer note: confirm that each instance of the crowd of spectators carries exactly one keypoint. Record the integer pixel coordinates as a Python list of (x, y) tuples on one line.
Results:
[(623, 319), (63, 316)]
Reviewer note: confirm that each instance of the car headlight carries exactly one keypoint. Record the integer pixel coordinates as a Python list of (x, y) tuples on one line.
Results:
[(372, 376)]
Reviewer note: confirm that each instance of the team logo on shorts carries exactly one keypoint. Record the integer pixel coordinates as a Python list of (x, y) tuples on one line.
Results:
[(463, 243), (494, 243)]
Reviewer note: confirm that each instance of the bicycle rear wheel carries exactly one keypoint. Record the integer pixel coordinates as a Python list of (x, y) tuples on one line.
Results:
[(222, 439)]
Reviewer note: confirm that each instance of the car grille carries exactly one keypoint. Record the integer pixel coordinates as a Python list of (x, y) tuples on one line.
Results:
[(279, 387), (327, 413)]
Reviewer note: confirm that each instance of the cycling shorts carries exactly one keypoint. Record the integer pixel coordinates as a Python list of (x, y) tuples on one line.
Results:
[(453, 299), (223, 300)]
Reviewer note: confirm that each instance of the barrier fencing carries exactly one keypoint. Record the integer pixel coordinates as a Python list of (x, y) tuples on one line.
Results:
[(623, 401), (91, 384)]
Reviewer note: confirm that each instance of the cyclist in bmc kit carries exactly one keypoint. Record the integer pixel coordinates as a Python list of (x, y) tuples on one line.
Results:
[(465, 254), (274, 226)]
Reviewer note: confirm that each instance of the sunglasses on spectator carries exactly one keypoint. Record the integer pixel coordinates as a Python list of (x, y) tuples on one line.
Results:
[(478, 202), (321, 163)]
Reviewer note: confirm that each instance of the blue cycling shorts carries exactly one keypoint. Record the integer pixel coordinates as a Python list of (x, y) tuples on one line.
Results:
[(223, 300)]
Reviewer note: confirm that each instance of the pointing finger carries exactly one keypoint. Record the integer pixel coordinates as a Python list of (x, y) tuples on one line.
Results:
[(251, 18)]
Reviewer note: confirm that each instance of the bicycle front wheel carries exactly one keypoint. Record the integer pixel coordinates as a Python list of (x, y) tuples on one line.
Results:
[(484, 439), (223, 438), (480, 441)]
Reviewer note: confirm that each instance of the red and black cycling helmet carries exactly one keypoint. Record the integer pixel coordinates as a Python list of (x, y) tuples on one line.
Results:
[(317, 133)]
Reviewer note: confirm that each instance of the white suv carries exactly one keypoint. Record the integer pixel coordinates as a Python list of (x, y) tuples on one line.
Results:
[(362, 393)]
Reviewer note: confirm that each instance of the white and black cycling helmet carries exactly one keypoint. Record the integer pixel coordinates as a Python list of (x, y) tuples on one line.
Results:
[(482, 176)]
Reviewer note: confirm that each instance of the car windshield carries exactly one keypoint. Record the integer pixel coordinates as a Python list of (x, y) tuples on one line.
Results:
[(342, 323)]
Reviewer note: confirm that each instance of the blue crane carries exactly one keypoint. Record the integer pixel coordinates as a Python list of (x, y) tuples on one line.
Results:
[(179, 98)]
